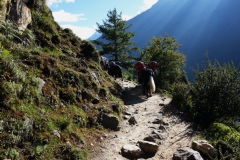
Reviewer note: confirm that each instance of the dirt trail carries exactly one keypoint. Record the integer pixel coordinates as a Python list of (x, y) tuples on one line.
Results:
[(180, 133)]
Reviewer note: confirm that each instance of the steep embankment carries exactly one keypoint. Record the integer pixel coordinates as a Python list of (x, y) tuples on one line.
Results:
[(53, 88), (149, 114)]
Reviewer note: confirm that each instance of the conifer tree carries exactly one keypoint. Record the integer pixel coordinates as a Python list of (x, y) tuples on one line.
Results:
[(115, 38)]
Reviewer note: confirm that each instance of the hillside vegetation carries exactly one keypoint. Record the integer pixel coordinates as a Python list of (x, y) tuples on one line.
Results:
[(52, 89)]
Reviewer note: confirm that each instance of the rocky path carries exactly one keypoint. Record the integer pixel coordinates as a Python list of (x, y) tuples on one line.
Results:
[(149, 115)]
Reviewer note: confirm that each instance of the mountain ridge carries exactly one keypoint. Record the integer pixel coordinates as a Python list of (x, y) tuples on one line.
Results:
[(199, 26)]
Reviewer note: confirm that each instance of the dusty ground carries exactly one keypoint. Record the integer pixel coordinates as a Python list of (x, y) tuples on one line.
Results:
[(180, 133)]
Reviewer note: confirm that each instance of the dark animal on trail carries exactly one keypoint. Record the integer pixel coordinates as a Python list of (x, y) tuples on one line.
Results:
[(145, 78), (145, 74), (115, 70)]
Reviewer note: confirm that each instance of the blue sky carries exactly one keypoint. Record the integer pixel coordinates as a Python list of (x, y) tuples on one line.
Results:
[(82, 15)]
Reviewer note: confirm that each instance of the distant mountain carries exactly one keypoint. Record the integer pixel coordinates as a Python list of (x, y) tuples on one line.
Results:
[(200, 26), (95, 36)]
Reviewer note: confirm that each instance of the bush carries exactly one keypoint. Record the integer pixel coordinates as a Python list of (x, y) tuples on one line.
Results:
[(215, 92), (56, 39), (89, 51), (182, 97), (219, 132)]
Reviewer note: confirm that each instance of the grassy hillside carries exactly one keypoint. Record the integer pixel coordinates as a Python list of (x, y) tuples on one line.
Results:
[(52, 90)]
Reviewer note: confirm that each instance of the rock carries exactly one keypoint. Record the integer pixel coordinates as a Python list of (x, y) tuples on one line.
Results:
[(186, 153), (56, 133), (102, 92), (45, 141), (127, 113), (150, 139), (20, 14), (163, 128), (1, 126), (85, 108), (126, 117), (204, 147), (96, 100), (110, 121), (105, 135), (115, 107), (95, 76), (28, 126), (131, 151), (68, 144), (161, 136), (148, 147), (86, 95), (158, 121), (133, 119), (41, 83)]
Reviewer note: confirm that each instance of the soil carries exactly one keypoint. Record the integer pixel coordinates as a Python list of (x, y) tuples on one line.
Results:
[(180, 131)]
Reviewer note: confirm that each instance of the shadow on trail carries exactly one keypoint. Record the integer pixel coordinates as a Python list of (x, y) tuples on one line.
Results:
[(132, 96), (172, 110), (145, 156)]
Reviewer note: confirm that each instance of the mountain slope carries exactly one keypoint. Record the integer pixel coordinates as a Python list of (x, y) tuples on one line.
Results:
[(218, 35), (200, 26), (53, 89)]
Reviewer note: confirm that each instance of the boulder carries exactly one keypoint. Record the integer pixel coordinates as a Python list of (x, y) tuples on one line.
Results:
[(133, 119), (20, 14), (110, 121), (148, 147), (204, 147), (186, 153), (161, 136), (131, 151)]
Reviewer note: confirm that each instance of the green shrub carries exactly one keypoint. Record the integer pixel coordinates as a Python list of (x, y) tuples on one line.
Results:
[(215, 92), (56, 39), (221, 132), (181, 97), (89, 51)]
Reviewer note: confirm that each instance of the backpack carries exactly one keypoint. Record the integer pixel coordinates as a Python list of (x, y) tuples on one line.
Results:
[(139, 65), (153, 65)]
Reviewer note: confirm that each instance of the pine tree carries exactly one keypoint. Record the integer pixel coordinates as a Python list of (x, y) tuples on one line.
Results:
[(116, 39)]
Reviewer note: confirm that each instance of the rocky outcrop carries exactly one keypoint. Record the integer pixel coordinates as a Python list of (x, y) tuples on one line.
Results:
[(3, 10), (20, 14)]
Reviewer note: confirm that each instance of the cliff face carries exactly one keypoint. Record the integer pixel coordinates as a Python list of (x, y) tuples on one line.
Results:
[(53, 89), (20, 14)]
